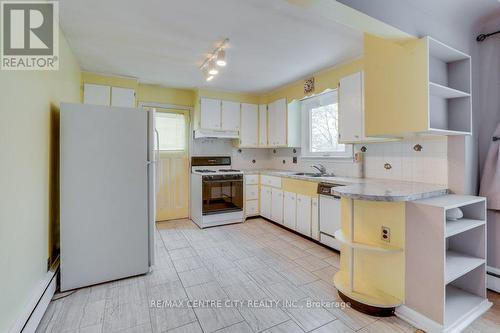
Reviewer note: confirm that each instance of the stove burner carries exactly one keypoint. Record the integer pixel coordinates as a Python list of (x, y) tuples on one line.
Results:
[(229, 170), (205, 171)]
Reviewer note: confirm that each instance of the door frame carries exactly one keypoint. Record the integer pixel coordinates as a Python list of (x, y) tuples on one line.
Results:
[(173, 107)]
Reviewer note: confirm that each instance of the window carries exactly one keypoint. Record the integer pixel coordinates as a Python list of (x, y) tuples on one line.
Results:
[(171, 129), (320, 127)]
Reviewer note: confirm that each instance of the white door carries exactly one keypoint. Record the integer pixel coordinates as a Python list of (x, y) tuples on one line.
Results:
[(249, 129), (315, 218), (172, 197), (123, 97), (329, 214), (277, 205), (263, 125), (280, 110), (304, 214), (290, 209), (230, 115), (351, 108), (265, 201), (210, 113), (96, 94)]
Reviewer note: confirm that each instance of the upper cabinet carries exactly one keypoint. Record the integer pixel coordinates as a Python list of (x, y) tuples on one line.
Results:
[(262, 125), (249, 128), (110, 96), (416, 86), (283, 124), (219, 115), (210, 113), (352, 110), (230, 115)]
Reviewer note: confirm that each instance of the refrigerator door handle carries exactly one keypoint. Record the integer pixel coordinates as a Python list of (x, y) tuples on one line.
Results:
[(157, 145)]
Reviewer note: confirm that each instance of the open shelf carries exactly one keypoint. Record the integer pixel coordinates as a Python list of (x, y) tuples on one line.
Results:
[(459, 264), (439, 90), (339, 235), (462, 225), (460, 304), (364, 293)]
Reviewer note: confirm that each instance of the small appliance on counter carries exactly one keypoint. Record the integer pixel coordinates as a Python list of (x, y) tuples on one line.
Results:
[(216, 191)]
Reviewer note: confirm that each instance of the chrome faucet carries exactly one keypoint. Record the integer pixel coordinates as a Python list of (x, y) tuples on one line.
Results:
[(320, 167)]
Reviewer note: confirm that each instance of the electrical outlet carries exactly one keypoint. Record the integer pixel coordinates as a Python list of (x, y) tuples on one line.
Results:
[(294, 160), (385, 234)]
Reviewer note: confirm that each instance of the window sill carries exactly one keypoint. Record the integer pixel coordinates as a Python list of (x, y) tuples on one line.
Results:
[(330, 158)]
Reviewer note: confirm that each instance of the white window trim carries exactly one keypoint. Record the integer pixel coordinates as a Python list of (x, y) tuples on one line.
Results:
[(306, 140)]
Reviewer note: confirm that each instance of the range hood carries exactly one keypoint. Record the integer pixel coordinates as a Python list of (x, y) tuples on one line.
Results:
[(220, 134)]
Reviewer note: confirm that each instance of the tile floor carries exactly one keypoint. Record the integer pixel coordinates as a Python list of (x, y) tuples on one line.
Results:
[(256, 261)]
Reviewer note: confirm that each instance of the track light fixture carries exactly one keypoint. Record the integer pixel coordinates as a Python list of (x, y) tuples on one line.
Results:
[(216, 59)]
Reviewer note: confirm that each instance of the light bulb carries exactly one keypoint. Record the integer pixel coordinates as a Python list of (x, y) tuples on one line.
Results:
[(209, 78), (212, 70), (221, 58)]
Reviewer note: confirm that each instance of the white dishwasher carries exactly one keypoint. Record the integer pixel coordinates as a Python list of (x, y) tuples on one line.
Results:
[(329, 215)]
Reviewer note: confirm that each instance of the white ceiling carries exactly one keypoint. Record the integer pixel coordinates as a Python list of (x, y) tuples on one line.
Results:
[(163, 41)]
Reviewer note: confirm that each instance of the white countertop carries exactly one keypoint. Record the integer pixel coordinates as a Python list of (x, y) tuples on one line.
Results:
[(367, 188)]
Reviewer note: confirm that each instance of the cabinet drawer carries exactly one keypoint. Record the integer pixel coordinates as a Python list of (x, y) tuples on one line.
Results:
[(252, 207), (252, 192), (252, 179), (270, 181)]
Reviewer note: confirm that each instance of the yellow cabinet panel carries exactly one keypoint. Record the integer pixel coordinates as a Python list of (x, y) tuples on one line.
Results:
[(300, 186), (396, 86)]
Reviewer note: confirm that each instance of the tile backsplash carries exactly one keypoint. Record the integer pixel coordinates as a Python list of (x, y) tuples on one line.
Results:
[(419, 159)]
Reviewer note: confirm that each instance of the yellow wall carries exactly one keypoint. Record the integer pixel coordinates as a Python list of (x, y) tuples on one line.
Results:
[(29, 106), (327, 79)]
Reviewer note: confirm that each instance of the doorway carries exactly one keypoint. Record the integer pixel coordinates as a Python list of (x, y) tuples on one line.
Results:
[(172, 169)]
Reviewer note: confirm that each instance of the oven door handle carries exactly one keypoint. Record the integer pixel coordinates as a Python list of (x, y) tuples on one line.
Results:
[(222, 181)]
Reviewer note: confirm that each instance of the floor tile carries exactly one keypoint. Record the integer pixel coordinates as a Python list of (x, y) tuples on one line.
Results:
[(309, 318), (320, 291), (187, 264), (230, 276), (311, 263), (266, 276), (245, 291), (237, 328), (261, 318), (250, 264), (285, 291), (189, 328), (326, 274), (388, 325), (286, 327), (182, 253), (164, 318), (126, 315), (195, 277), (352, 318), (299, 276), (334, 327)]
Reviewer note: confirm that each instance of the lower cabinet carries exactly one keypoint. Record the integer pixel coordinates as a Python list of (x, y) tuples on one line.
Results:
[(265, 201), (304, 214), (277, 205), (252, 207), (290, 209), (314, 218)]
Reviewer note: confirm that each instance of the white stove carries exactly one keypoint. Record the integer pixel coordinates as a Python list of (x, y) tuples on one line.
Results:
[(216, 191)]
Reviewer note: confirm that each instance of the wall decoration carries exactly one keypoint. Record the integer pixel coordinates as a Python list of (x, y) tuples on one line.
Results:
[(309, 86), (417, 147)]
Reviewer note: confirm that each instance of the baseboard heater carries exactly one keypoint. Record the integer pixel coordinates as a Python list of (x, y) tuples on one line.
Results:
[(493, 278), (30, 318)]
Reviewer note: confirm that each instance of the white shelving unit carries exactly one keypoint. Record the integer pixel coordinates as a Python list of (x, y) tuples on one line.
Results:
[(450, 107), (445, 263)]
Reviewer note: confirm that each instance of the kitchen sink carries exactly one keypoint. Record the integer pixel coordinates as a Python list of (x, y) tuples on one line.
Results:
[(308, 174)]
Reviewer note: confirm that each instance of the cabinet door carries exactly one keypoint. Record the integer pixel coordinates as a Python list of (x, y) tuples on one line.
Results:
[(210, 113), (249, 129), (314, 218), (304, 214), (351, 108), (263, 125), (96, 94), (277, 205), (252, 192), (280, 126), (231, 115), (271, 123), (122, 97), (290, 209), (265, 201), (252, 207)]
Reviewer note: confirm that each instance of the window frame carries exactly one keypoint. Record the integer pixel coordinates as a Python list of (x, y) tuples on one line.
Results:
[(306, 153)]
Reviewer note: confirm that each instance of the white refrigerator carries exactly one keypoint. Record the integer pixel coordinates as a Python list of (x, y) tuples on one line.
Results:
[(107, 195)]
